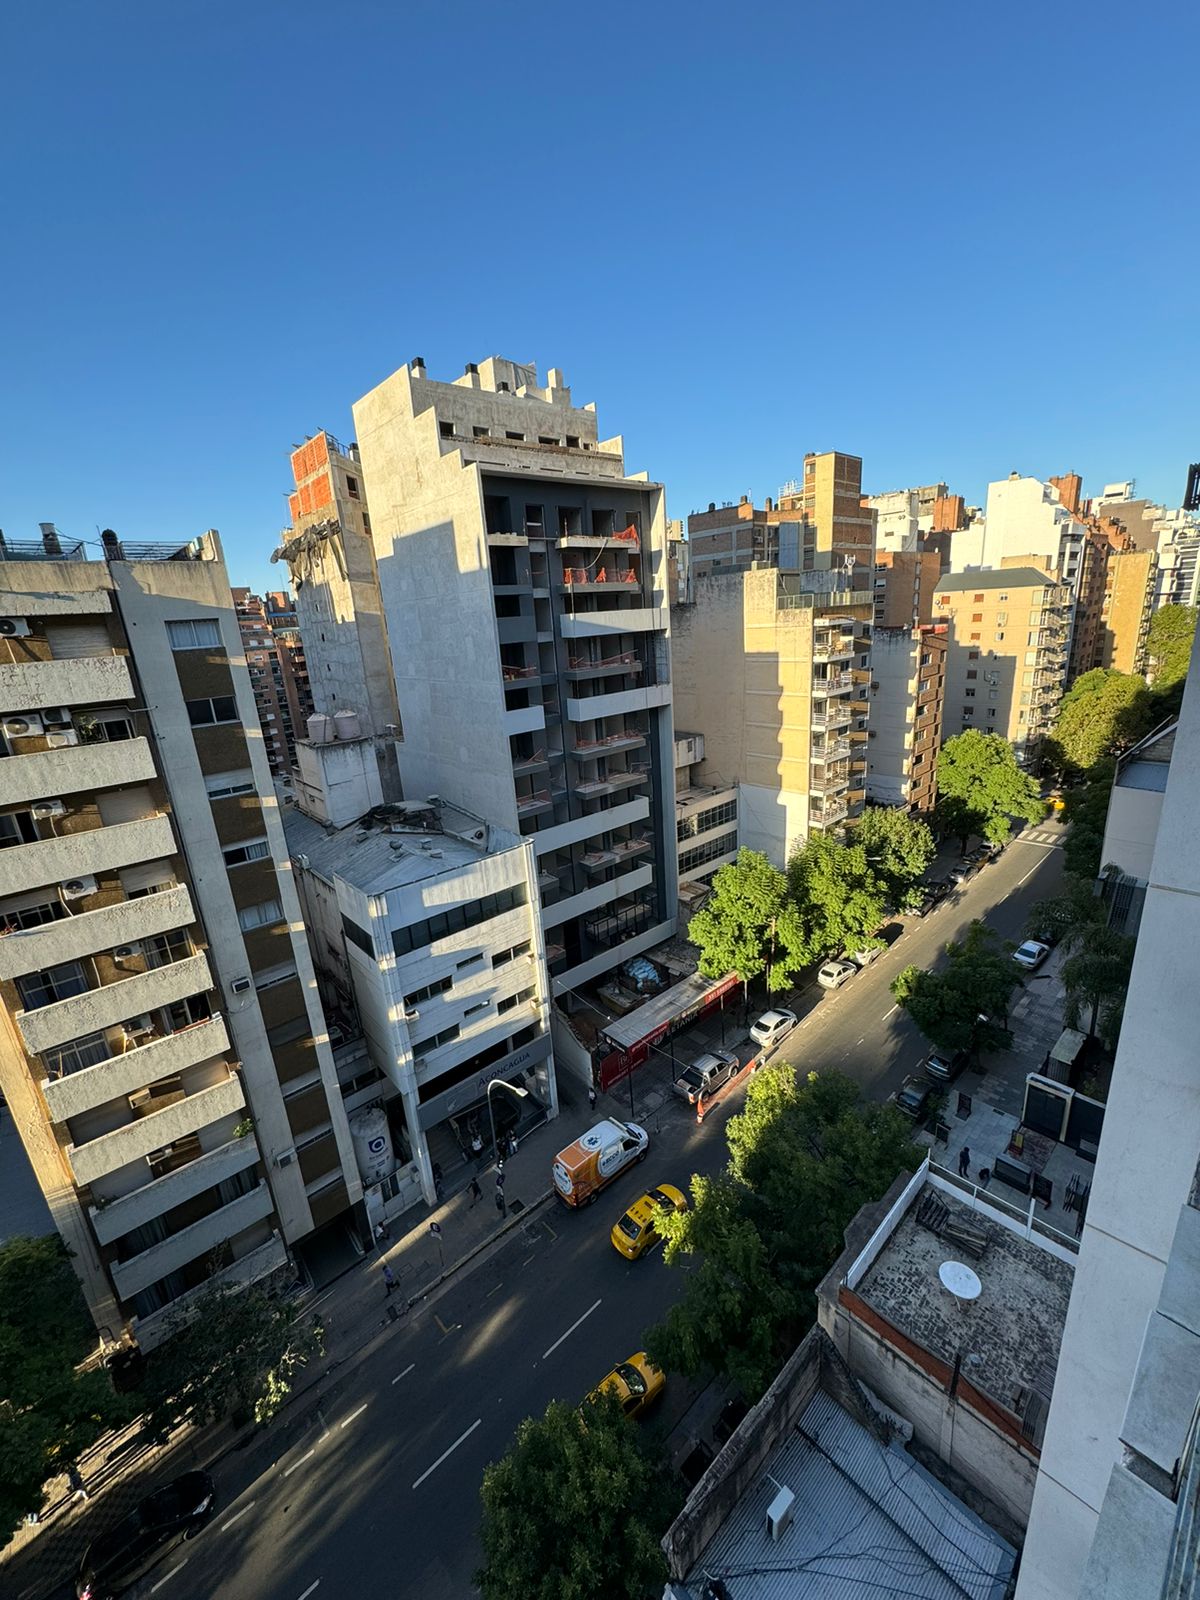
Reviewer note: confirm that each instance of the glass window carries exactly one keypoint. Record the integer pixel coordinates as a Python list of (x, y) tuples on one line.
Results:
[(236, 855), (260, 915), (217, 708), (360, 938), (64, 1059), (220, 785), (32, 916), (54, 983), (17, 827), (200, 633)]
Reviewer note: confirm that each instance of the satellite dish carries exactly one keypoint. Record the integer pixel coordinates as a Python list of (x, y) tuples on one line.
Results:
[(960, 1281)]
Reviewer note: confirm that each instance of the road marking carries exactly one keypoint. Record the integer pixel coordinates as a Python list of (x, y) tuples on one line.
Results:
[(287, 1471), (351, 1418), (528, 1259), (405, 1373), (453, 1328), (549, 1229), (569, 1331), (492, 1291), (1028, 875), (170, 1575), (446, 1453), (226, 1525), (310, 1589), (887, 1014)]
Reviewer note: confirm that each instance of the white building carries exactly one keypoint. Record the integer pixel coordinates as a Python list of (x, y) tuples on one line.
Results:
[(1108, 1489), (1026, 517), (903, 515), (706, 819)]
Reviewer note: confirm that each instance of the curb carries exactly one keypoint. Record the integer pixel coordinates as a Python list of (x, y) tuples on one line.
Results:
[(505, 1227)]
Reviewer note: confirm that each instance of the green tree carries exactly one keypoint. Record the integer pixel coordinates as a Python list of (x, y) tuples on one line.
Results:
[(899, 850), (50, 1413), (981, 787), (747, 925), (805, 1154), (575, 1509), (1169, 644), (236, 1354), (1096, 979), (1086, 813), (963, 1005), (837, 897), (1096, 719), (1069, 918)]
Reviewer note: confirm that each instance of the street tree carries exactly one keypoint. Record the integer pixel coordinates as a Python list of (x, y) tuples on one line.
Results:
[(838, 898), (981, 787), (964, 1004), (1096, 980), (1169, 644), (747, 925), (899, 850), (575, 1509), (235, 1353), (1097, 717), (1086, 814), (1068, 919), (50, 1412)]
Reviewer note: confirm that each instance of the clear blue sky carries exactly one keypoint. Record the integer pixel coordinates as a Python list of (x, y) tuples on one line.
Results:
[(954, 239)]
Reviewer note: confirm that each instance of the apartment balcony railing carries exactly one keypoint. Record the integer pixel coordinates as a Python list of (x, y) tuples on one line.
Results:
[(142, 1135), (206, 1169), (835, 716), (625, 849), (589, 788), (530, 763), (828, 813), (528, 805), (90, 933), (113, 1003), (77, 680), (73, 769), (833, 683), (598, 578), (839, 650), (68, 1091), (197, 1239), (624, 661), (628, 740), (624, 538), (831, 750), (829, 782), (597, 860)]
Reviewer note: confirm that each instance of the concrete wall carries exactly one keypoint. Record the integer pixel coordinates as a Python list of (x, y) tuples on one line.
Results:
[(895, 661), (1131, 830)]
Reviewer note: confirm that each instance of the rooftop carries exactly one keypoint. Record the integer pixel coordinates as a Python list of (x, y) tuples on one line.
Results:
[(1001, 578), (383, 851)]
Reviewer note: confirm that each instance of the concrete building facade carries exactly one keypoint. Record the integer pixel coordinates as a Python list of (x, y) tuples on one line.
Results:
[(837, 525), (706, 818), (1006, 656), (904, 585), (731, 536), (523, 577), (908, 682), (265, 666), (1026, 520), (163, 1051)]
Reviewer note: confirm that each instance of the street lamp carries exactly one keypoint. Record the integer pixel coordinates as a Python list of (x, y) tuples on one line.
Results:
[(501, 1083)]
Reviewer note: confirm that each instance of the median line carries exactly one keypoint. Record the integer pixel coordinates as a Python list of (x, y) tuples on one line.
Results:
[(168, 1577), (569, 1331), (354, 1414), (287, 1471), (405, 1373), (444, 1455), (225, 1526)]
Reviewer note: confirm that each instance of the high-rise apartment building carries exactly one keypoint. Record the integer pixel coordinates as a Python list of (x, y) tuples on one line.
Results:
[(1115, 1505), (522, 576), (775, 667), (1114, 602), (1006, 653), (1026, 520), (162, 1050), (293, 666), (904, 516), (908, 677), (730, 536), (706, 818), (266, 679), (904, 584), (838, 528)]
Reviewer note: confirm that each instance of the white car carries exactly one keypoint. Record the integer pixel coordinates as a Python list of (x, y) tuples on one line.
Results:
[(833, 974), (1031, 954), (773, 1026)]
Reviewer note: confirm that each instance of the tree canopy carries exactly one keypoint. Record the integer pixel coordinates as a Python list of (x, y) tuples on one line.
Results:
[(575, 1509), (899, 849), (838, 900), (1096, 980), (741, 921), (976, 982), (981, 787), (49, 1413), (1169, 643), (805, 1154), (1086, 812), (1097, 717)]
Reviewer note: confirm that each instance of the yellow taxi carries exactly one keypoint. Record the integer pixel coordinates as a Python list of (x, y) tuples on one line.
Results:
[(636, 1232), (637, 1384)]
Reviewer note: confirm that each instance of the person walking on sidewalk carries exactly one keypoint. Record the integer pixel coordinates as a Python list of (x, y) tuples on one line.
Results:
[(476, 1193), (591, 1098), (75, 1482), (500, 1176), (964, 1161), (500, 1206), (389, 1281), (382, 1236)]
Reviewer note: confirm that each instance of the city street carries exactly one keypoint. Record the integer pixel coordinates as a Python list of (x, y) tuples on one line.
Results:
[(376, 1491)]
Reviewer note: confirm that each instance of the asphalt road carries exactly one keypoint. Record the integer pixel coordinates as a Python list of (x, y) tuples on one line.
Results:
[(377, 1493)]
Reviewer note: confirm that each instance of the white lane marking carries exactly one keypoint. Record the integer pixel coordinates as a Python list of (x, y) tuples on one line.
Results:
[(569, 1331), (443, 1456), (310, 1589), (405, 1373), (226, 1525), (287, 1471), (1028, 875), (168, 1577), (350, 1419), (887, 1014)]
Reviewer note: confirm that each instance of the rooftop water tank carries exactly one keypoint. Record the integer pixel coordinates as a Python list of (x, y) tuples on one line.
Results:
[(320, 728), (346, 725)]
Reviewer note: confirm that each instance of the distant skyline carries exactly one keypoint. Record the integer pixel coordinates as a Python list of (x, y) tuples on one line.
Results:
[(953, 242)]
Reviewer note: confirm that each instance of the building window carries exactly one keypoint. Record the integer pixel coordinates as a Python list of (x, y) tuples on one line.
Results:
[(480, 433), (512, 1001), (260, 916), (975, 637), (999, 636), (427, 993), (237, 855), (968, 712), (216, 709), (419, 934), (572, 442), (544, 439), (275, 975), (970, 693), (447, 1036), (54, 983), (517, 436), (358, 937), (64, 1059), (991, 711), (32, 916), (977, 616), (352, 487), (972, 655), (199, 633), (978, 599), (503, 957), (17, 827), (972, 673), (446, 429)]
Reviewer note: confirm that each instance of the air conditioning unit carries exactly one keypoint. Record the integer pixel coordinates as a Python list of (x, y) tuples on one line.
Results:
[(76, 888), (42, 809), (22, 727), (138, 1027), (126, 952), (285, 1158), (57, 717), (13, 628), (61, 739)]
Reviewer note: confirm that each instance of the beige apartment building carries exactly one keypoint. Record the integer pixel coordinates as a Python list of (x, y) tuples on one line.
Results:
[(908, 679), (162, 1049), (775, 668), (1006, 657), (904, 586)]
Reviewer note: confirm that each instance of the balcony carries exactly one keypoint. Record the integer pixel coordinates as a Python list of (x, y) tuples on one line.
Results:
[(620, 922), (619, 703), (530, 805), (624, 661), (597, 860), (614, 619), (90, 932), (831, 750), (830, 782), (626, 849), (631, 739), (75, 769), (593, 578), (136, 1139), (77, 855), (112, 1003), (163, 1194), (592, 788), (532, 763), (168, 1255), (83, 680), (833, 683), (839, 650), (256, 1264), (72, 1093), (835, 716), (527, 719), (828, 813), (600, 897), (625, 539)]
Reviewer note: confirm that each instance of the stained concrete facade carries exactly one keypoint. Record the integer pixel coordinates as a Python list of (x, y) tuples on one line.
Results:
[(908, 681)]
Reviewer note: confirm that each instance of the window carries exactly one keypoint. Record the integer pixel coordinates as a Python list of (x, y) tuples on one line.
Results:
[(32, 916), (218, 708), (972, 655), (514, 1000), (968, 711), (1003, 597), (17, 827), (942, 600), (447, 1036), (446, 429), (103, 728), (64, 1059), (519, 436), (978, 599), (274, 975), (572, 442), (481, 433), (469, 961), (439, 986), (237, 855), (480, 1005), (970, 693), (971, 673), (260, 916), (544, 439), (165, 948), (977, 616), (352, 487), (199, 633), (999, 636), (1001, 617), (975, 637), (418, 934), (358, 937), (993, 694), (54, 983), (991, 711), (503, 957)]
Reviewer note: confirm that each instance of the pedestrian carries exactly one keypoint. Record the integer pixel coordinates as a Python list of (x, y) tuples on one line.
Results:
[(500, 1176), (476, 1193), (591, 1097), (499, 1199), (382, 1236), (964, 1161), (389, 1281), (512, 1145), (437, 1182), (985, 1177), (78, 1492)]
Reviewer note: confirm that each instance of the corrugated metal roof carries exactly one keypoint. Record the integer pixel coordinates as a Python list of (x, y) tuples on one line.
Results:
[(868, 1521)]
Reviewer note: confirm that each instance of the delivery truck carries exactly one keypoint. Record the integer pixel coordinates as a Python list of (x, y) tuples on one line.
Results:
[(596, 1158)]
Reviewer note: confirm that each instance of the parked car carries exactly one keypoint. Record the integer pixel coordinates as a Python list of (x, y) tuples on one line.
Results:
[(992, 851), (1031, 954), (959, 873), (912, 1098), (637, 1384), (773, 1027), (706, 1074), (943, 1066), (864, 958), (636, 1231), (118, 1558), (933, 892), (833, 974), (596, 1158)]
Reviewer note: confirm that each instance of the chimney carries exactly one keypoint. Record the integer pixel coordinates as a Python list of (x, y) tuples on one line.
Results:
[(50, 539), (418, 366)]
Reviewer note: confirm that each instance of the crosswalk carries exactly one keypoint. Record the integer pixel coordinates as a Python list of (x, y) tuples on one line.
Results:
[(1044, 836)]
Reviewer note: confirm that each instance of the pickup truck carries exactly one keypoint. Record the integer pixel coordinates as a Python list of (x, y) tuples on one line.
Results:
[(705, 1075)]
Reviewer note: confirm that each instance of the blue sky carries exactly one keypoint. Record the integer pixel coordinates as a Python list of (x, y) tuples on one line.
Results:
[(954, 239)]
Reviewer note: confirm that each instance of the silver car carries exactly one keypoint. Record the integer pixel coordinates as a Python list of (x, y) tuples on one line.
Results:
[(833, 974), (773, 1026), (1031, 954)]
